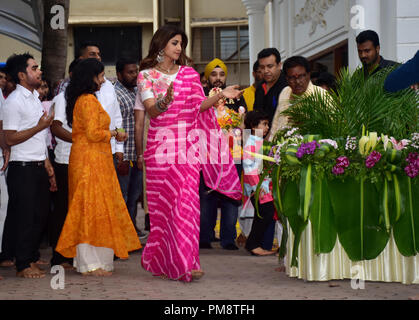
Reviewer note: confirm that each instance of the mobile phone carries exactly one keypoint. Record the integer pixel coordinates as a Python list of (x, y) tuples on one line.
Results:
[(51, 110)]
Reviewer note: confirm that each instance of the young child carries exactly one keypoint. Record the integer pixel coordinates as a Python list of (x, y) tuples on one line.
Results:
[(258, 123)]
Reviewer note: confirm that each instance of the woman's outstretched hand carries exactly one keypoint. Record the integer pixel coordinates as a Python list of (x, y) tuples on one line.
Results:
[(232, 92)]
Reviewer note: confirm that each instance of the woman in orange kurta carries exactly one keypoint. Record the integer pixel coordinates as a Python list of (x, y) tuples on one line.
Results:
[(98, 224)]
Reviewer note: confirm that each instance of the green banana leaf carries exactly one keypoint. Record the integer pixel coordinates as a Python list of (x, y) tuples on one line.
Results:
[(356, 207), (322, 218), (406, 228), (276, 192), (291, 200), (306, 191)]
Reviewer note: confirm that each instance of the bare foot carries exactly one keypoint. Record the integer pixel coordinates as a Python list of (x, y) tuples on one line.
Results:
[(261, 252), (35, 266), (41, 262), (97, 273), (197, 274), (67, 266), (30, 273), (7, 263), (241, 240)]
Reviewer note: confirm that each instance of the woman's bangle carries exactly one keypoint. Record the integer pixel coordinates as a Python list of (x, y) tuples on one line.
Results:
[(161, 106)]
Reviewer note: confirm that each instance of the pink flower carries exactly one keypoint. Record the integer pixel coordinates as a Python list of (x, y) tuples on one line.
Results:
[(154, 74), (399, 145), (411, 171), (372, 159), (338, 170), (342, 162)]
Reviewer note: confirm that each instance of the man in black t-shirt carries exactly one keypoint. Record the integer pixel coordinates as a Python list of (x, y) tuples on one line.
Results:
[(267, 92)]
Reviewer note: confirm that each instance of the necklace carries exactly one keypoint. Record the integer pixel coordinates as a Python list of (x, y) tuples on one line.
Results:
[(166, 70)]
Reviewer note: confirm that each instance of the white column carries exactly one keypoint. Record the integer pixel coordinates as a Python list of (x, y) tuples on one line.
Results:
[(155, 15), (256, 13), (366, 15), (188, 29)]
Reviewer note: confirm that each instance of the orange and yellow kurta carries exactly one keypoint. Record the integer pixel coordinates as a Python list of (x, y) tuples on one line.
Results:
[(97, 212)]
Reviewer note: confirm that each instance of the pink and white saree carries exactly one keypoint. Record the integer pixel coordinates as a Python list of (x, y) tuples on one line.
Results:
[(181, 142)]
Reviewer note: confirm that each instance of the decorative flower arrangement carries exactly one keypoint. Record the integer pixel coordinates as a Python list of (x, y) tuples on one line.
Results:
[(227, 118), (349, 183), (230, 122), (379, 164)]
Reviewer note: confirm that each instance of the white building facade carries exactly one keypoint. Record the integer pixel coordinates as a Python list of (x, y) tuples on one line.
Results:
[(324, 31)]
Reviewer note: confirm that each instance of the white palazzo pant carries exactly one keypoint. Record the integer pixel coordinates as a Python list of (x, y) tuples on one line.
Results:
[(90, 258)]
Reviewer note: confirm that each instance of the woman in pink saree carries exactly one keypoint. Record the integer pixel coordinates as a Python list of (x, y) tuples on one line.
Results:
[(183, 138)]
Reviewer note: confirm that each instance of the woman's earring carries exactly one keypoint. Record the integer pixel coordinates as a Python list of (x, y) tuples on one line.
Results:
[(160, 56)]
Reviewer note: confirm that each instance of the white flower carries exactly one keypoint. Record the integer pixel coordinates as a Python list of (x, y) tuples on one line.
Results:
[(333, 143)]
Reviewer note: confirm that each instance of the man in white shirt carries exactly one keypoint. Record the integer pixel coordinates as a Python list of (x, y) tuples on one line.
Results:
[(30, 172), (62, 132)]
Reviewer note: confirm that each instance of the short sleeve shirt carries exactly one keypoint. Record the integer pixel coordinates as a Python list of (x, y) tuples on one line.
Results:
[(63, 148), (22, 111)]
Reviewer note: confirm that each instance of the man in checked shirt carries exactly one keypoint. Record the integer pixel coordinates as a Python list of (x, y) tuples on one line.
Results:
[(129, 176)]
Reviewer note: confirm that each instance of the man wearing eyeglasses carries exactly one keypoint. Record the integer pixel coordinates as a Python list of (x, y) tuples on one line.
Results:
[(297, 73)]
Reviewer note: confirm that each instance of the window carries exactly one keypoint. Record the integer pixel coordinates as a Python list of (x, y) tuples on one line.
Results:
[(230, 44), (226, 43), (114, 42)]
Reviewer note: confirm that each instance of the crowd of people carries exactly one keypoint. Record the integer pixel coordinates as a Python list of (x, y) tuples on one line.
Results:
[(81, 155)]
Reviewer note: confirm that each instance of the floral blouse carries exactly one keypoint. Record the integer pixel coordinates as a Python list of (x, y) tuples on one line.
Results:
[(152, 83)]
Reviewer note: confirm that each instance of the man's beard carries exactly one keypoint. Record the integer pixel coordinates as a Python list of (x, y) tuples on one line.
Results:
[(217, 84), (373, 62)]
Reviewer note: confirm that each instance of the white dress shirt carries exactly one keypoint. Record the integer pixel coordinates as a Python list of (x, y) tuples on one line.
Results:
[(63, 148), (22, 111), (2, 101), (107, 98)]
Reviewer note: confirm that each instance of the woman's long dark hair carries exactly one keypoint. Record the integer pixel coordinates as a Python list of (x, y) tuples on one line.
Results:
[(81, 82), (159, 42)]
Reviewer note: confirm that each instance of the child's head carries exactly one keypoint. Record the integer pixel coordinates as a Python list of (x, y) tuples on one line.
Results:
[(256, 120)]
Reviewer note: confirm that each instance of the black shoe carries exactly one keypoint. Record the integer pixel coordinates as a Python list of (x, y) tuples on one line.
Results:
[(231, 247), (147, 222), (205, 245)]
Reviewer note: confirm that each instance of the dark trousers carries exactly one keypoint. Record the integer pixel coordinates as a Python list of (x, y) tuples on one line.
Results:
[(59, 214), (260, 225), (27, 213), (131, 188), (209, 202)]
